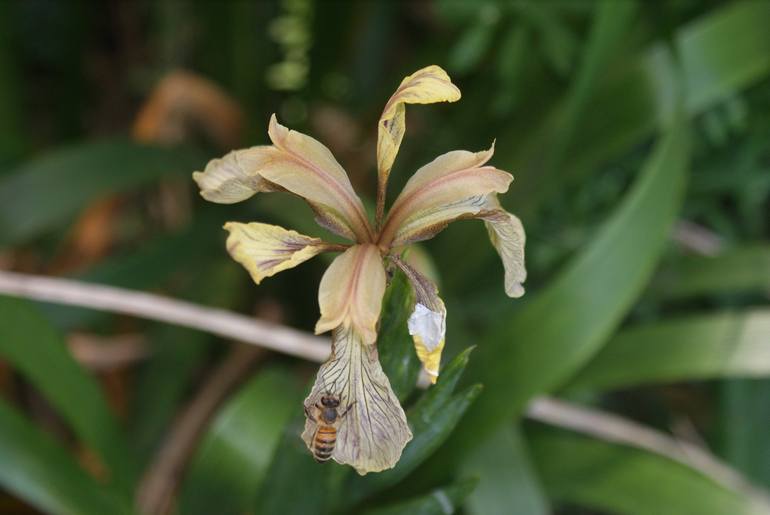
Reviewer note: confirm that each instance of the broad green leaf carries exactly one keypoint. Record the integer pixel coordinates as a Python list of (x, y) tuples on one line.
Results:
[(234, 455), (432, 419), (441, 501), (538, 346), (627, 481), (741, 269), (36, 350), (732, 344), (46, 192), (507, 481), (395, 345), (37, 469)]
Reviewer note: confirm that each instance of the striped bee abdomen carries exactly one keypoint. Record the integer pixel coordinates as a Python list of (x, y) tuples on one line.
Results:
[(323, 443)]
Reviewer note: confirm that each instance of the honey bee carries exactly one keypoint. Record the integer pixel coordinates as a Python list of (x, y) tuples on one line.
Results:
[(327, 417)]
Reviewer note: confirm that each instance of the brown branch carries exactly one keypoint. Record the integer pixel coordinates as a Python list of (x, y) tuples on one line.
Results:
[(156, 307), (157, 488)]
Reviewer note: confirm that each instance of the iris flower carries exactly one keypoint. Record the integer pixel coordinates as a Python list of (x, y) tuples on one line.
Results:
[(457, 185)]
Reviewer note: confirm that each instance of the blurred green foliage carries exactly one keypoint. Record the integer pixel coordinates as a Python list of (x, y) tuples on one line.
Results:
[(619, 120)]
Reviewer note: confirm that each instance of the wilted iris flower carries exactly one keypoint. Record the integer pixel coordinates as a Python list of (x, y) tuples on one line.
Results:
[(457, 185)]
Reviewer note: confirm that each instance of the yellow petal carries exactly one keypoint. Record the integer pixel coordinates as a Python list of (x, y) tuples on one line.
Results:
[(351, 292), (425, 86), (235, 177), (264, 249), (452, 186), (307, 168), (295, 163), (427, 323), (508, 237), (371, 429)]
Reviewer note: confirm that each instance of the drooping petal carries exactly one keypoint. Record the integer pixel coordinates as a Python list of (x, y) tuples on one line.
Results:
[(351, 292), (372, 430), (264, 249), (427, 323), (235, 177), (426, 86), (507, 235), (295, 163), (453, 185)]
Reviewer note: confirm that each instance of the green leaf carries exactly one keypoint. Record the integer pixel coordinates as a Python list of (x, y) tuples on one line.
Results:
[(507, 482), (394, 343), (430, 432), (743, 414), (234, 455), (735, 270), (441, 501), (44, 193), (535, 348), (291, 466), (34, 348), (630, 481), (35, 468), (692, 348)]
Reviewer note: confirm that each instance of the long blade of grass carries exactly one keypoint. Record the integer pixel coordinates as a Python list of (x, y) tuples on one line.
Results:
[(731, 344)]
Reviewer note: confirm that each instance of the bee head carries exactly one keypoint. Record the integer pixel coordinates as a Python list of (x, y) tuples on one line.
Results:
[(329, 401)]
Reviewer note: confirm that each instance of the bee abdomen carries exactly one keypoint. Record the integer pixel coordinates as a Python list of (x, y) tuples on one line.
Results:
[(323, 444)]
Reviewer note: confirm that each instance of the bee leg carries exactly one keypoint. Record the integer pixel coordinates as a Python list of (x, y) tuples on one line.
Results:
[(309, 415), (347, 409)]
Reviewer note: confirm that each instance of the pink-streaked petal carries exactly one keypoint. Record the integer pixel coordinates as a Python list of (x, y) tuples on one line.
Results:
[(264, 249), (351, 292), (453, 185)]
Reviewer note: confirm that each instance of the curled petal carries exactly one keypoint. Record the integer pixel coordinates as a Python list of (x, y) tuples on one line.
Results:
[(427, 323), (508, 237), (426, 86), (264, 249), (351, 292), (295, 163), (235, 177), (372, 429), (453, 185)]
